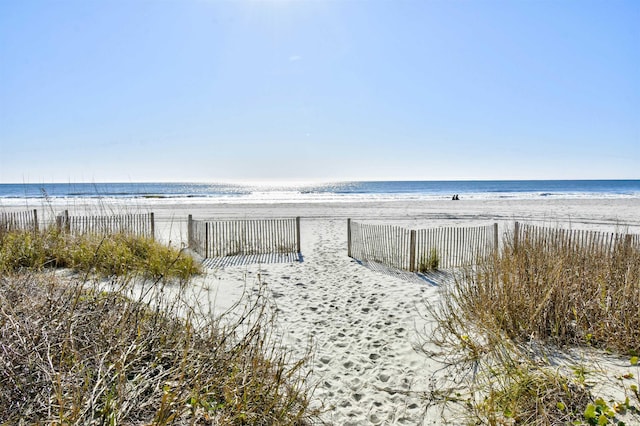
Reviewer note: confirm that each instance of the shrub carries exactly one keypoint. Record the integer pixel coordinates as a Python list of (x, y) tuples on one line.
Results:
[(75, 354), (21, 249)]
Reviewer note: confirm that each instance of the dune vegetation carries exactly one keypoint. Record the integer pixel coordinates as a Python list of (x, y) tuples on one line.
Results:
[(84, 348), (105, 255), (500, 320)]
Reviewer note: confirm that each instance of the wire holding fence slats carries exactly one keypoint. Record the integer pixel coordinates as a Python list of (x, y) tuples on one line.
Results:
[(221, 238)]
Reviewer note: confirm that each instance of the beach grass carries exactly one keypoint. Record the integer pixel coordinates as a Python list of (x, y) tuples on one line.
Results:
[(565, 295), (105, 255), (500, 321)]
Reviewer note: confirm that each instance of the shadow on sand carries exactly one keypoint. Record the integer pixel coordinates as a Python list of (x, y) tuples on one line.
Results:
[(434, 278), (249, 259)]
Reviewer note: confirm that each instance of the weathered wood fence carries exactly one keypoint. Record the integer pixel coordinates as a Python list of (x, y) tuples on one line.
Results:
[(142, 224), (574, 239), (222, 238), (12, 221), (385, 244), (457, 246), (410, 249)]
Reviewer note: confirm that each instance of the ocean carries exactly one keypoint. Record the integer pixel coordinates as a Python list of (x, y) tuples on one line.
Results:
[(317, 192)]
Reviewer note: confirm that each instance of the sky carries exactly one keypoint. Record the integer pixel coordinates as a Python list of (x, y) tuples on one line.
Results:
[(294, 90)]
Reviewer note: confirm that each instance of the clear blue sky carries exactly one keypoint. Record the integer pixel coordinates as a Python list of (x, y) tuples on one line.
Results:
[(318, 90)]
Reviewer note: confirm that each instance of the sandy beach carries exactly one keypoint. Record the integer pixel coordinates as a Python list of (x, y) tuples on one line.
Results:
[(367, 127), (364, 321)]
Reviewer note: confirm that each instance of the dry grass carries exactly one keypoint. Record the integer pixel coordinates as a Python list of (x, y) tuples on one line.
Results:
[(495, 324), (562, 293), (116, 254), (73, 354)]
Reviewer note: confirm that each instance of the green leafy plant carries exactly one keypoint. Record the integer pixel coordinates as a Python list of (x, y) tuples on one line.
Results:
[(429, 262), (601, 414)]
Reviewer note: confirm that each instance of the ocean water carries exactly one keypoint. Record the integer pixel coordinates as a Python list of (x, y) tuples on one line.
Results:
[(317, 192)]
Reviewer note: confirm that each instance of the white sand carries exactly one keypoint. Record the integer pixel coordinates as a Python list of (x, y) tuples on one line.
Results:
[(362, 321)]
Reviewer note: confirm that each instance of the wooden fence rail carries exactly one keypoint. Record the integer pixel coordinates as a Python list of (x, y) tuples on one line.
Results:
[(410, 249), (574, 239), (13, 221), (142, 224), (222, 238)]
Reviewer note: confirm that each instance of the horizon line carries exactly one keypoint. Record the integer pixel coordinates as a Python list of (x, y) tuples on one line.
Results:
[(293, 182)]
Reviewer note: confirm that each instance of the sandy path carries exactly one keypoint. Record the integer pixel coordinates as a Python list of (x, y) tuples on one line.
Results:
[(362, 324)]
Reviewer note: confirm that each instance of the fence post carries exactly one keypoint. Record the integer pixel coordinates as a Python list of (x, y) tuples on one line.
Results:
[(206, 240), (67, 222), (496, 242), (190, 232), (412, 251), (35, 220), (298, 234), (153, 225), (516, 231), (349, 237)]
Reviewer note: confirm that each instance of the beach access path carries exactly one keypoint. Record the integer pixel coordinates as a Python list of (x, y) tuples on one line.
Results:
[(362, 324)]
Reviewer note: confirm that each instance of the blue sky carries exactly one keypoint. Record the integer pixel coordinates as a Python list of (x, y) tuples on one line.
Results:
[(318, 90)]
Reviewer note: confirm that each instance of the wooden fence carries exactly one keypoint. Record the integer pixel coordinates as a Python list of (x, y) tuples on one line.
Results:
[(142, 224), (456, 246), (12, 221), (385, 244), (574, 239), (222, 238), (410, 249)]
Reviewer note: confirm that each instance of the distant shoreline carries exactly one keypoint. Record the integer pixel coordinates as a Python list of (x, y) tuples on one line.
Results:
[(188, 193), (588, 212)]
